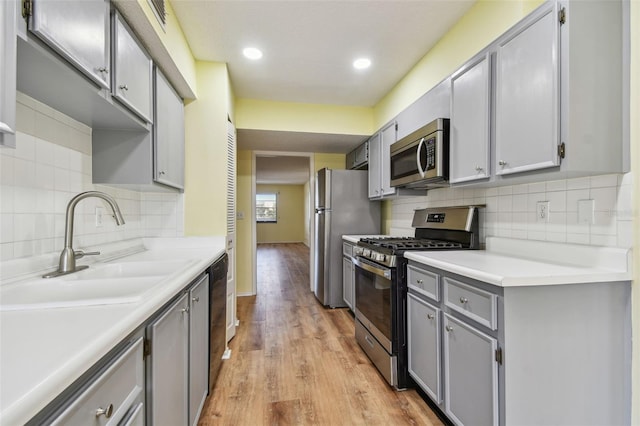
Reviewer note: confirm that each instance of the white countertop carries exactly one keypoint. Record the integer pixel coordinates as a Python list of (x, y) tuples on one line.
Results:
[(43, 351), (511, 263)]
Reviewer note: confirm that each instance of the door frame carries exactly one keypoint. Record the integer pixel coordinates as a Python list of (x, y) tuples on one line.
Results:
[(309, 219)]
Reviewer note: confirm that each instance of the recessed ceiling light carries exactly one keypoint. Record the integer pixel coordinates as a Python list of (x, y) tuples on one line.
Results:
[(361, 63), (252, 53)]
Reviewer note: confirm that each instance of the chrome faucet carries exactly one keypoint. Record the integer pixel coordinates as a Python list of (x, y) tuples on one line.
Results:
[(68, 256)]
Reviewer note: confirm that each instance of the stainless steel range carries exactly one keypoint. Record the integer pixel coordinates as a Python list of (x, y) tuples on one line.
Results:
[(381, 284)]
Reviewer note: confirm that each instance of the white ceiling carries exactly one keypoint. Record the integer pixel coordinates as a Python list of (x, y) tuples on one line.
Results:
[(309, 47)]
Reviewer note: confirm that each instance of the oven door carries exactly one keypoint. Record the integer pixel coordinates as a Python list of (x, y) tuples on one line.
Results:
[(374, 299)]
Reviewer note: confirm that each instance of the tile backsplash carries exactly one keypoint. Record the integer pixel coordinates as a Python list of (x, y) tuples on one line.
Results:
[(50, 165), (511, 210)]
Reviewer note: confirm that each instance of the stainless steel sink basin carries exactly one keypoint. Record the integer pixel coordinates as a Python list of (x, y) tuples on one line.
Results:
[(102, 284)]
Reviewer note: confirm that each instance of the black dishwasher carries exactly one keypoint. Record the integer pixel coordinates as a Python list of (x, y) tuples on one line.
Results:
[(217, 316)]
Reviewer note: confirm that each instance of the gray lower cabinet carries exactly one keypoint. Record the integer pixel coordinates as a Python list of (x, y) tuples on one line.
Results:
[(115, 396), (470, 374), (425, 346), (168, 392), (178, 365), (58, 27), (348, 276), (198, 348), (132, 71)]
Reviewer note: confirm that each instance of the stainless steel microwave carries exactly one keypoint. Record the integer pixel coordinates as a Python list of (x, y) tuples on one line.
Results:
[(421, 159)]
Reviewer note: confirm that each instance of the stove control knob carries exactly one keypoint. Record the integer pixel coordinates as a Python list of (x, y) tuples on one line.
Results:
[(382, 257), (366, 252), (358, 251)]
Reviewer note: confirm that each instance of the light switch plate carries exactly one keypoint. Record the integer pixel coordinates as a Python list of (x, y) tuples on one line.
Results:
[(586, 209)]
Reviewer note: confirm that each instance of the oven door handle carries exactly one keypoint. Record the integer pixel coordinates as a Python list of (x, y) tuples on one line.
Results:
[(418, 152), (383, 272)]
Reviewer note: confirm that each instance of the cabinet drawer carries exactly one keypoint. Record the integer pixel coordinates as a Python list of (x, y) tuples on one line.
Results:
[(120, 386), (347, 249), (479, 305), (424, 282)]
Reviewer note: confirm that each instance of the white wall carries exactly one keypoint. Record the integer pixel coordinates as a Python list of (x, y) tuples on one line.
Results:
[(511, 210), (51, 164)]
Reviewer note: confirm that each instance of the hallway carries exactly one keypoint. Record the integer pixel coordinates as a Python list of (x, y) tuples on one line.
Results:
[(296, 363)]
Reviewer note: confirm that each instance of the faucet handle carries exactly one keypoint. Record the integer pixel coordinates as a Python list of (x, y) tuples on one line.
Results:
[(80, 254)]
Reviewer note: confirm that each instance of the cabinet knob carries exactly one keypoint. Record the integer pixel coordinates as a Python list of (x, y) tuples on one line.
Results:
[(107, 412), (479, 169), (502, 163), (185, 310), (430, 316), (463, 300), (449, 328), (162, 173), (124, 87), (103, 70), (196, 299), (419, 281)]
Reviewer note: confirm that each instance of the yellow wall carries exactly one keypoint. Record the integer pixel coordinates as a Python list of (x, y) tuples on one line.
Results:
[(330, 161), (172, 38), (206, 152), (290, 210), (307, 214), (297, 117), (244, 204), (635, 167), (482, 24)]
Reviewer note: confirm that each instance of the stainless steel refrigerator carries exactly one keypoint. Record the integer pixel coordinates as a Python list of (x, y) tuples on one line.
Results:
[(342, 207)]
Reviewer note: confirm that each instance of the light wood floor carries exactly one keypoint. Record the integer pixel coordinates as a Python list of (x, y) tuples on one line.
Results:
[(296, 363)]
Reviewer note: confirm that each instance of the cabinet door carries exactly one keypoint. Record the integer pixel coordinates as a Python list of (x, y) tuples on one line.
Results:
[(8, 73), (168, 393), (168, 132), (470, 118), (198, 348), (527, 96), (423, 333), (388, 137), (375, 166), (132, 70), (79, 31), (347, 281), (470, 374)]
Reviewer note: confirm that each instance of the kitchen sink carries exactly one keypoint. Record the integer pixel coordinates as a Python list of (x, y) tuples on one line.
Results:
[(101, 284)]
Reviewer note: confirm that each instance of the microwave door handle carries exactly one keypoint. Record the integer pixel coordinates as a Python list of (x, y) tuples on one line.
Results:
[(418, 158)]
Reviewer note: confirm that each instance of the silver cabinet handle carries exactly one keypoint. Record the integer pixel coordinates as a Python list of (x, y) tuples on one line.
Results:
[(419, 281), (196, 299), (368, 340), (185, 310), (430, 316), (103, 70), (463, 300), (107, 412), (449, 328), (124, 87), (502, 163)]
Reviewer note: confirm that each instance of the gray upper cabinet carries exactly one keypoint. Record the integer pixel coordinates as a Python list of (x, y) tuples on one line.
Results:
[(59, 27), (527, 95), (379, 167), (470, 117), (132, 71), (433, 104), (8, 73), (168, 134)]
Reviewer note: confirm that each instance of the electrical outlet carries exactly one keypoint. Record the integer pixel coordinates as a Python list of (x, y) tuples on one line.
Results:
[(542, 211), (99, 212), (240, 215)]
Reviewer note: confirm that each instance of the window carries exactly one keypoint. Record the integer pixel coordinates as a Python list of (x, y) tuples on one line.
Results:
[(266, 208)]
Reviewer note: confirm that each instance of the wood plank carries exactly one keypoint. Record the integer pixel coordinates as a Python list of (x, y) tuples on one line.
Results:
[(296, 363)]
